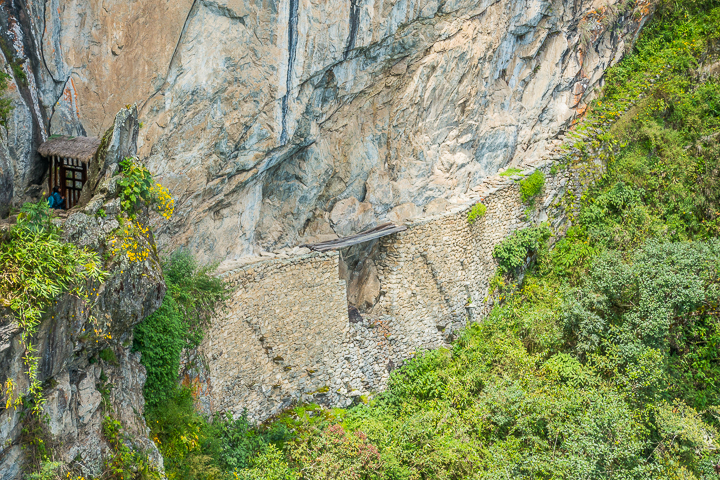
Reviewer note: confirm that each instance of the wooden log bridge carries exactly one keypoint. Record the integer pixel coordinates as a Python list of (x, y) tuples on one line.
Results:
[(371, 234)]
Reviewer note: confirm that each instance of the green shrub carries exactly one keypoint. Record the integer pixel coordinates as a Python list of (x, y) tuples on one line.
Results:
[(622, 294), (137, 189), (5, 103), (269, 464), (36, 266), (189, 452), (476, 213), (335, 453), (15, 63), (19, 73), (195, 447), (531, 186), (511, 171), (193, 297), (108, 355), (512, 251), (124, 462), (48, 471), (161, 338)]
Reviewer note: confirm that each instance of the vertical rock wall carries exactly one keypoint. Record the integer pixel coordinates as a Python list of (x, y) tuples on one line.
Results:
[(80, 387), (266, 120)]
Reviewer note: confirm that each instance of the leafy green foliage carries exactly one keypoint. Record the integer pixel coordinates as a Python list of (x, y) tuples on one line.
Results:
[(137, 189), (19, 73), (124, 463), (334, 451), (189, 450), (531, 186), (198, 294), (47, 471), (36, 267), (160, 338), (511, 171), (15, 63), (5, 103), (476, 213), (268, 465), (240, 442), (135, 185), (108, 355), (192, 299), (512, 252), (195, 447)]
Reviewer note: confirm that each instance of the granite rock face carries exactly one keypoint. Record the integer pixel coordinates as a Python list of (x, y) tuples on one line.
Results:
[(262, 117)]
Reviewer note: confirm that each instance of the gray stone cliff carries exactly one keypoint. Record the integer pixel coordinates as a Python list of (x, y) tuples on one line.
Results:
[(277, 123)]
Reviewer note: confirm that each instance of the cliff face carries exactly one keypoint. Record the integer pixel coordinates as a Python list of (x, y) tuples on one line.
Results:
[(86, 367), (276, 123)]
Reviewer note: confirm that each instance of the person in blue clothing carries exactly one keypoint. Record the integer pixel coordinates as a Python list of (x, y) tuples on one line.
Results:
[(55, 200)]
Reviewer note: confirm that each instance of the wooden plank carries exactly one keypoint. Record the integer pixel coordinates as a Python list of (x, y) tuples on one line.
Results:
[(61, 180), (366, 236)]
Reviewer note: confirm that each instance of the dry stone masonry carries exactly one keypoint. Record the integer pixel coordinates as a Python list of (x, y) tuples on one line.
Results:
[(287, 336), (280, 338)]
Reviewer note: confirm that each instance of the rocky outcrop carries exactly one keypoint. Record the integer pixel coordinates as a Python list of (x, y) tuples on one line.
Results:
[(74, 374), (262, 117), (86, 364)]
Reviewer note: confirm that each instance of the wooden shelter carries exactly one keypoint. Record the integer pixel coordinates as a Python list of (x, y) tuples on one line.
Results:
[(371, 234), (69, 160)]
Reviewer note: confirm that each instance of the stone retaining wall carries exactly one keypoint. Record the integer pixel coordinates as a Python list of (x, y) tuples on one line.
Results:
[(280, 335), (287, 336)]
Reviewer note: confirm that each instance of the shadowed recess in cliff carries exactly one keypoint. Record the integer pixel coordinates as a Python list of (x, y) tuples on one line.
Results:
[(20, 52), (354, 23), (292, 46)]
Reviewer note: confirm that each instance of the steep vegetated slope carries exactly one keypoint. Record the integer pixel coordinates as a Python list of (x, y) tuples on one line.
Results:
[(603, 363)]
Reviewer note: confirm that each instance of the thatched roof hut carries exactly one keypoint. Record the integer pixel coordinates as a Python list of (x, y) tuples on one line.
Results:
[(69, 161), (79, 148)]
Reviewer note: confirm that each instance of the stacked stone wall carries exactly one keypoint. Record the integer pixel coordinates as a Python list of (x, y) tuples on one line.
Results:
[(287, 336), (279, 336)]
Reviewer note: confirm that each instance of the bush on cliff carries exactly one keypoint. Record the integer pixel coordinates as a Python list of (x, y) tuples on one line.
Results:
[(193, 297), (531, 186), (37, 266), (512, 252), (5, 103)]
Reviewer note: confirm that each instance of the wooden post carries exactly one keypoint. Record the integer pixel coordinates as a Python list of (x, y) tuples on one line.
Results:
[(62, 181), (51, 181)]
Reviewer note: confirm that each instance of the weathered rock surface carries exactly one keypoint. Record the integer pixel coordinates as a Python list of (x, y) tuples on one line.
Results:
[(262, 117), (68, 346), (80, 387)]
